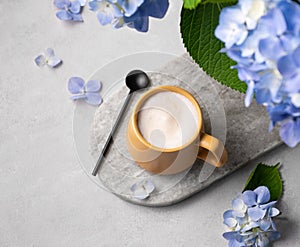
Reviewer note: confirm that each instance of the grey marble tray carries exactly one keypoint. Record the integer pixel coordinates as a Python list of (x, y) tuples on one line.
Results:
[(243, 130)]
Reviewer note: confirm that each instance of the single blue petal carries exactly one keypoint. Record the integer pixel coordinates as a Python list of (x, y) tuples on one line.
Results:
[(289, 42), (104, 18), (295, 99), (131, 6), (49, 52), (264, 224), (271, 48), (273, 212), (78, 96), (63, 15), (263, 95), (234, 243), (247, 75), (291, 12), (94, 5), (256, 213), (287, 66), (278, 112), (75, 7), (268, 205), (249, 93), (273, 225), (61, 4), (76, 85), (230, 235), (155, 8), (93, 98), (296, 56), (92, 86), (227, 214), (273, 235), (292, 84), (249, 198), (40, 60), (277, 16), (76, 17), (230, 222), (54, 61), (290, 132), (263, 194), (239, 208)]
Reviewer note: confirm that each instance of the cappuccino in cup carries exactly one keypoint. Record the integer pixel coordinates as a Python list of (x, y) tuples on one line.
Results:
[(167, 120), (165, 132)]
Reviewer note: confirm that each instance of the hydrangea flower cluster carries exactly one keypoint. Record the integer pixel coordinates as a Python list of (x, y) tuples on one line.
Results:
[(69, 10), (131, 13), (263, 37), (250, 221)]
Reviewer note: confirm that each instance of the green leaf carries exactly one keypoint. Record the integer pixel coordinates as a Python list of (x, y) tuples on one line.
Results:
[(197, 29), (231, 2), (264, 175), (191, 4)]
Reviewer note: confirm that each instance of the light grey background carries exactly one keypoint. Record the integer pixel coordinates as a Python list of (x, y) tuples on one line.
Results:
[(45, 197)]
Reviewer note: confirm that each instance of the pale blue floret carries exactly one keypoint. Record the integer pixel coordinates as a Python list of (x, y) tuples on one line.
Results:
[(142, 189), (107, 11), (48, 58), (69, 10), (87, 91)]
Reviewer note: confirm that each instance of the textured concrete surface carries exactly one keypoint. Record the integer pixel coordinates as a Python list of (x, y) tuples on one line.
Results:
[(46, 198)]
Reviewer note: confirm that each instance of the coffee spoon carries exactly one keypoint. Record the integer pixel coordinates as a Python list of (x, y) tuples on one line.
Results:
[(135, 80)]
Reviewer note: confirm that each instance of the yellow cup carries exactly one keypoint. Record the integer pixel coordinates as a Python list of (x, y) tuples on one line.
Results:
[(173, 160)]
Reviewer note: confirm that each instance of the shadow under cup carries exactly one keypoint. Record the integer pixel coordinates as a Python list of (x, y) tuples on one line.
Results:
[(173, 159)]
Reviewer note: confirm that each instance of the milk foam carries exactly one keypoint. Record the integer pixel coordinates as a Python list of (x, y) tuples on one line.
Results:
[(167, 120)]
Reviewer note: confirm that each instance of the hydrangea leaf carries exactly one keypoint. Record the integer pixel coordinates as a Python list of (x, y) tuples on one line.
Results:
[(197, 29), (191, 4), (269, 176)]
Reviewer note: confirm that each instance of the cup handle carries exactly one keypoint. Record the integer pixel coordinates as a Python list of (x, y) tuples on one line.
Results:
[(212, 150)]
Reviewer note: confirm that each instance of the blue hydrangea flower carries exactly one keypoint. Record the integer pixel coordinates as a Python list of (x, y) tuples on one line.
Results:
[(131, 13), (69, 10), (263, 37), (142, 189), (232, 29), (108, 12), (88, 91), (250, 220), (48, 58)]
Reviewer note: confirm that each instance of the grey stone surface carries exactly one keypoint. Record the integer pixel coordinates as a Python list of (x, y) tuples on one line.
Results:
[(46, 197), (225, 117)]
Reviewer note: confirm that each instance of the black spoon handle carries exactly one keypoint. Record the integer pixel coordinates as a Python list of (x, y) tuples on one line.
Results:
[(110, 140)]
